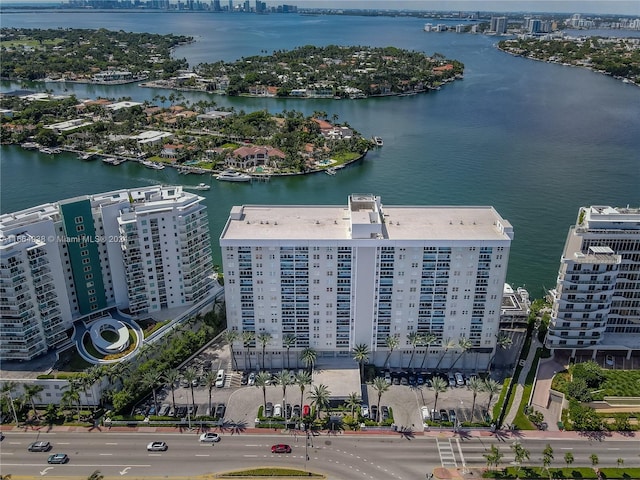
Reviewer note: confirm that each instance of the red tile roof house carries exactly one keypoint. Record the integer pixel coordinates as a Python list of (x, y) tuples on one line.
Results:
[(248, 157)]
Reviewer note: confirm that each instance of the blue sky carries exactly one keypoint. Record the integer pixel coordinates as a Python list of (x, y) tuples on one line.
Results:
[(625, 7)]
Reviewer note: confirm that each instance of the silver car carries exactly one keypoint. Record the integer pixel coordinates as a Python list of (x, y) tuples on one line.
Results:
[(157, 447)]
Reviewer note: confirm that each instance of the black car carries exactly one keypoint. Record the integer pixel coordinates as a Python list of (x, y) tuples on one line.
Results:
[(181, 411), (220, 409), (373, 412), (245, 378), (452, 415), (192, 410), (268, 410), (289, 410), (384, 412), (296, 411), (435, 415), (444, 415), (39, 447)]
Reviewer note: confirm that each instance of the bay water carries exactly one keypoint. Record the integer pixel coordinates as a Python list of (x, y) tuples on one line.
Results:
[(533, 139)]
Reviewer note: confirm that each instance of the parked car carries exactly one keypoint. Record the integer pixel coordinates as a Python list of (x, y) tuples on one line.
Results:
[(435, 415), (424, 412), (244, 379), (373, 412), (157, 447), (384, 412), (452, 416), (469, 378), (59, 458), (404, 380), (420, 380), (220, 410), (252, 378), (396, 380), (306, 410), (181, 411), (387, 378), (296, 411), (210, 437), (288, 410), (277, 410), (364, 411), (192, 409), (609, 360), (39, 447), (444, 415), (452, 380), (268, 409), (164, 410), (195, 382), (412, 380), (459, 379), (281, 448)]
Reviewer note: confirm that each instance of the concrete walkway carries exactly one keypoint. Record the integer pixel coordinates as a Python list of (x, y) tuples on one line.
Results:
[(511, 414)]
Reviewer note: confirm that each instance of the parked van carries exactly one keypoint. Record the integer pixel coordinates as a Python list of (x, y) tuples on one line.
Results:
[(220, 378)]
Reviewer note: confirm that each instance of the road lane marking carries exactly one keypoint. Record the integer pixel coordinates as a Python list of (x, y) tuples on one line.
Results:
[(566, 448), (613, 449), (203, 455), (63, 443), (6, 453), (106, 454), (111, 443), (250, 455)]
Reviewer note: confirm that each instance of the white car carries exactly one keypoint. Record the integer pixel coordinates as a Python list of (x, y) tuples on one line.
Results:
[(364, 411), (252, 379), (426, 415), (210, 437), (157, 447), (459, 379), (609, 360), (277, 410)]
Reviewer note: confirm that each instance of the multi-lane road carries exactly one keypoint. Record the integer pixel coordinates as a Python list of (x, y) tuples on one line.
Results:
[(342, 457)]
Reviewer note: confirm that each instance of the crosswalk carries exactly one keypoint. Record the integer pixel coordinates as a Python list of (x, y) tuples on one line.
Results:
[(446, 452)]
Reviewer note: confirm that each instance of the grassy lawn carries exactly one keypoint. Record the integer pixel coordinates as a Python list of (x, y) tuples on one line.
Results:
[(28, 43), (270, 472), (521, 421), (619, 383), (541, 472), (627, 473)]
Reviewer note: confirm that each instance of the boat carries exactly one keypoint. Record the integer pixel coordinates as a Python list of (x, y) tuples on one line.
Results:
[(233, 176), (86, 156), (330, 171), (153, 165), (30, 145), (50, 151), (200, 186), (378, 141)]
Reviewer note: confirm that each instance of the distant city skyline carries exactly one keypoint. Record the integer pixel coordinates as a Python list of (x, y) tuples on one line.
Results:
[(621, 7)]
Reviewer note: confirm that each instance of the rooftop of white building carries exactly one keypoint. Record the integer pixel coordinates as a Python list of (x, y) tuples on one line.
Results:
[(312, 222)]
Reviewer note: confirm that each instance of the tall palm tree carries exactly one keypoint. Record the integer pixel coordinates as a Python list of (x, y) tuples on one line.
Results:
[(503, 342), (476, 385), (210, 382), (248, 337), (309, 357), (448, 344), (288, 341), (492, 388), (171, 377), (380, 386), (71, 398), (284, 380), (302, 379), (7, 388), (361, 355), (32, 391), (414, 339), (230, 336), (439, 386), (262, 380), (151, 379), (190, 375), (352, 402), (263, 339), (391, 343), (465, 345), (320, 398), (427, 340)]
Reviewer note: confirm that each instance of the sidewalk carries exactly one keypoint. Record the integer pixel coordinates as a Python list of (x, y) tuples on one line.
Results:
[(517, 398)]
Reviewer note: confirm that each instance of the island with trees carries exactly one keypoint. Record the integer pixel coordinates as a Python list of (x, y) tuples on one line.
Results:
[(194, 138), (103, 56), (619, 57)]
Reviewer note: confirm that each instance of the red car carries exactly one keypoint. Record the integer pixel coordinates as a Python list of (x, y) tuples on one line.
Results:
[(306, 410), (281, 448)]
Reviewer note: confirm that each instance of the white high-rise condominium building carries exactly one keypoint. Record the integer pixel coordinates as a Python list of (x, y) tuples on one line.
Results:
[(334, 277), (140, 250), (597, 298)]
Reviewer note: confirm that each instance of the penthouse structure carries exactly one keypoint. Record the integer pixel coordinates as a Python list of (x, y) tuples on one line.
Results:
[(596, 302), (138, 250), (333, 277)]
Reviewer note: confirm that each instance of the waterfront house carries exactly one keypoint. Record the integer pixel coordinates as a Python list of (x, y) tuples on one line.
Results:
[(247, 157)]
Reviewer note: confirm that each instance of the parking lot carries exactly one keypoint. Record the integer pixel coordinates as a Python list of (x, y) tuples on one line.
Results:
[(408, 393)]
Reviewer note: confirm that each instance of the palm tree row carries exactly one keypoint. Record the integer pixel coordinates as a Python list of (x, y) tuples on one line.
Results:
[(476, 385)]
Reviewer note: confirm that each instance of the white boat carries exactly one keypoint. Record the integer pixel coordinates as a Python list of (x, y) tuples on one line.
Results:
[(153, 165), (200, 186), (233, 176), (50, 151), (378, 141), (30, 145), (86, 156), (330, 171)]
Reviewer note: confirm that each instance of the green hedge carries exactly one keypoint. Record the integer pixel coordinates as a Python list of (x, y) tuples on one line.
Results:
[(541, 472)]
